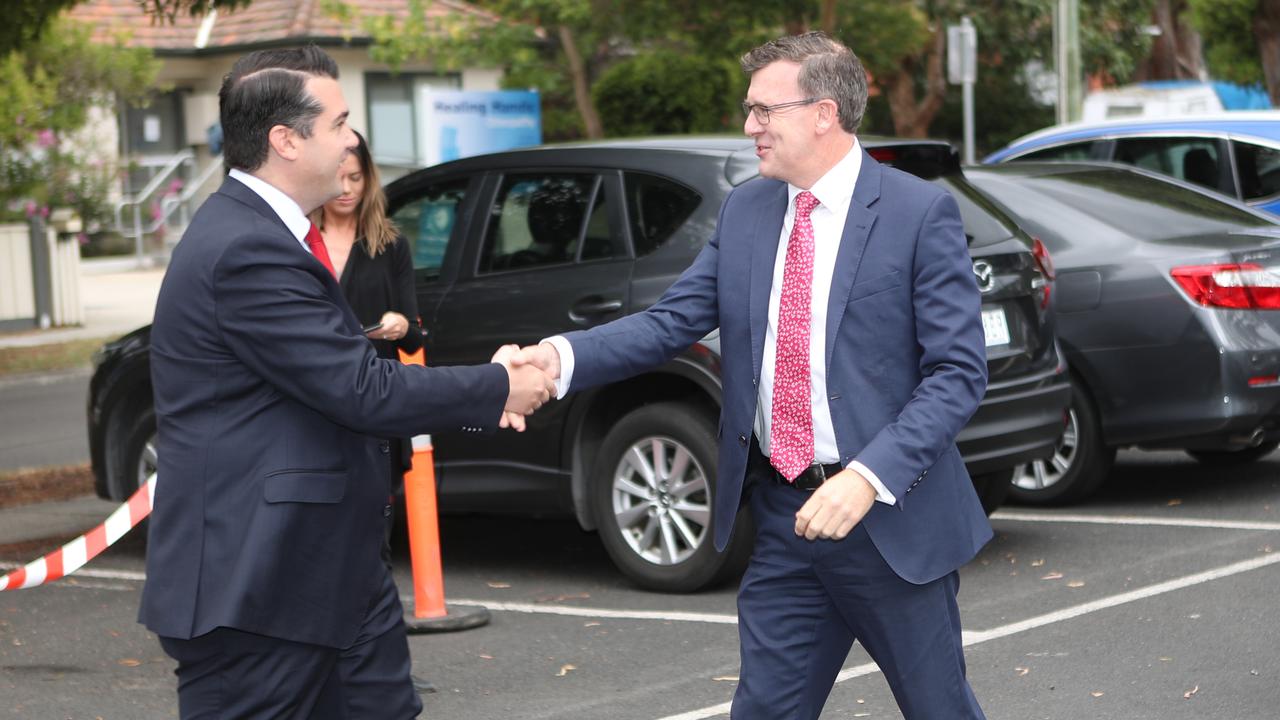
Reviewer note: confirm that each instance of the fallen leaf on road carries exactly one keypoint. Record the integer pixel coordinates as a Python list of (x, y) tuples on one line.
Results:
[(130, 662), (1166, 659), (591, 624), (725, 678), (564, 669), (1187, 695), (1021, 671), (1052, 576), (499, 585), (1097, 693), (486, 657), (1174, 501), (1037, 563), (1075, 583)]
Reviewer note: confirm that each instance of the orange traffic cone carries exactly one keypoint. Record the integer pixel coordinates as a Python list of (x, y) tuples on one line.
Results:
[(430, 614)]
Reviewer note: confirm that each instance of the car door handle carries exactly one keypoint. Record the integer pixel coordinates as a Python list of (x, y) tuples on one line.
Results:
[(583, 310)]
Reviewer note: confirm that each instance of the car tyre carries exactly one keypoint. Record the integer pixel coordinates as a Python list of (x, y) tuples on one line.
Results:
[(653, 489), (993, 488), (1234, 457), (1080, 462), (135, 460)]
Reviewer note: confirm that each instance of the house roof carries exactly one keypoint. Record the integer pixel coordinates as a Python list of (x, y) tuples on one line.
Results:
[(264, 23)]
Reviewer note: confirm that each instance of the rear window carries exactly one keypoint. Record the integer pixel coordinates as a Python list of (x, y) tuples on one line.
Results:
[(1259, 169), (984, 222), (1142, 207), (656, 208)]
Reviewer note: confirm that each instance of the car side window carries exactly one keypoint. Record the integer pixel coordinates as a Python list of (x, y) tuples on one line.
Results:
[(1071, 151), (539, 219), (656, 207), (427, 223), (1196, 160), (1259, 170)]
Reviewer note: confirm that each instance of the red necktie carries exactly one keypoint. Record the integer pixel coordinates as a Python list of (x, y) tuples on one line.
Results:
[(316, 243), (791, 425)]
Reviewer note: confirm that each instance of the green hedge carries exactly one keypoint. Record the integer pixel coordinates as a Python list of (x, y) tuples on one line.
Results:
[(662, 92)]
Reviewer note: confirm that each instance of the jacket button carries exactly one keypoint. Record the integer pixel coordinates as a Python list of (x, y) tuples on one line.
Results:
[(386, 511), (385, 447), (742, 440)]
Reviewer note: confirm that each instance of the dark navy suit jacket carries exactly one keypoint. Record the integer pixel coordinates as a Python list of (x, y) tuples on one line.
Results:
[(269, 508), (905, 354)]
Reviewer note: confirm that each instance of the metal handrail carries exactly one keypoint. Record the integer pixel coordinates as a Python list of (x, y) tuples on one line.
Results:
[(182, 201), (138, 198)]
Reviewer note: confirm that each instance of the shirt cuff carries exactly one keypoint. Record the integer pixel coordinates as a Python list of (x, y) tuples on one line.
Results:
[(565, 349), (882, 493)]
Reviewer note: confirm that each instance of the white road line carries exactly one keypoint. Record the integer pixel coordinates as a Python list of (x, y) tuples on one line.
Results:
[(587, 612), (981, 636), (1134, 520)]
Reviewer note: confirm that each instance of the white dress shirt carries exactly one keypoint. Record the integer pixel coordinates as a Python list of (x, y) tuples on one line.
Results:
[(283, 205), (834, 191)]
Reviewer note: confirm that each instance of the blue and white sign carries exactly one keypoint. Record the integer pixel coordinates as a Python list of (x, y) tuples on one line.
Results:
[(460, 123)]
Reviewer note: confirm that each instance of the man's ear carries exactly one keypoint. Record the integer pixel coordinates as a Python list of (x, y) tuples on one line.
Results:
[(283, 141), (827, 116)]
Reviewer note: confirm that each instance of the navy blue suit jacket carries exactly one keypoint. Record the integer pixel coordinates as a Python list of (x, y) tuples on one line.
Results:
[(269, 508), (905, 354)]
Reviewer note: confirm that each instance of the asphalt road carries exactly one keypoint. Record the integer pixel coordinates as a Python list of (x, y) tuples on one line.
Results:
[(1153, 601), (42, 420)]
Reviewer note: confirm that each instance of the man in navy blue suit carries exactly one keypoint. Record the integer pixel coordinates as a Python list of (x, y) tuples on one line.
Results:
[(265, 579), (852, 354)]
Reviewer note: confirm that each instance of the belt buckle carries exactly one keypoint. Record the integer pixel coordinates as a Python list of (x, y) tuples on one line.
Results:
[(811, 478)]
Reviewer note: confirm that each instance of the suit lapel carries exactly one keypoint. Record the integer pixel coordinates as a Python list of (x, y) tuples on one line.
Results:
[(767, 227), (857, 227)]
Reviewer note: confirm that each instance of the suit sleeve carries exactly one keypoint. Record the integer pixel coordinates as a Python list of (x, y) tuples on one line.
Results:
[(947, 306), (276, 317), (628, 346)]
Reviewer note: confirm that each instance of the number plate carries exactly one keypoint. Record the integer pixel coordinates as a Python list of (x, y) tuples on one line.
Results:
[(995, 326)]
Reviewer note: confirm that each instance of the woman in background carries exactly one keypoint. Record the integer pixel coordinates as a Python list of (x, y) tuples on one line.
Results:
[(374, 268)]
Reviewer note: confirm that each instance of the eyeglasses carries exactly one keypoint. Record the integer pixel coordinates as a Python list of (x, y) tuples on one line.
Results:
[(761, 112)]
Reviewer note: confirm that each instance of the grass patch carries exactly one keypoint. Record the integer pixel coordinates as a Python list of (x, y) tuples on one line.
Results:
[(42, 484), (44, 358)]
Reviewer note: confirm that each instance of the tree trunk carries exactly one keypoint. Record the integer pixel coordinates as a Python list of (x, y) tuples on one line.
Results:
[(1266, 29), (1175, 52), (581, 87), (829, 17), (911, 119)]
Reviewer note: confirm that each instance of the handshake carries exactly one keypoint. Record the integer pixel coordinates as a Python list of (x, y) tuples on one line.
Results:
[(531, 373)]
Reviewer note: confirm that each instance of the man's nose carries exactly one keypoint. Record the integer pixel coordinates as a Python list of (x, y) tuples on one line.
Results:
[(751, 126)]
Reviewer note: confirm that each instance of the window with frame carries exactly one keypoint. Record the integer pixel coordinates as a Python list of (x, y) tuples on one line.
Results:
[(546, 219), (393, 113), (1259, 170), (427, 222), (656, 208), (1196, 160)]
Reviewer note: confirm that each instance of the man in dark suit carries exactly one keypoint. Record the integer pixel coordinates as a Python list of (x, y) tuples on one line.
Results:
[(852, 354), (264, 574)]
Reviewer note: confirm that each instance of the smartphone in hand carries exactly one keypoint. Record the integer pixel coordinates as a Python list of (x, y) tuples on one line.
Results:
[(371, 328)]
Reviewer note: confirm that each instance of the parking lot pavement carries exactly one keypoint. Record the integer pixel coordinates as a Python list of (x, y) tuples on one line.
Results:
[(1152, 601)]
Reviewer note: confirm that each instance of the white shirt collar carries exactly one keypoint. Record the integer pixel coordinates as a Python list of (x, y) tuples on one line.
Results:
[(834, 190), (283, 205)]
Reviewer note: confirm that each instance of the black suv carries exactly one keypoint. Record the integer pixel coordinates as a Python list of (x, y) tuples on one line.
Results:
[(517, 246)]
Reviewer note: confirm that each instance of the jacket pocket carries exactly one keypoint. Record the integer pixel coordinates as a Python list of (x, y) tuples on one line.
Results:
[(307, 486), (864, 289)]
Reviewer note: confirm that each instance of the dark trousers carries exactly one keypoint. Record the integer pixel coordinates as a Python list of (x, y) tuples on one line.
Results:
[(803, 603), (230, 674)]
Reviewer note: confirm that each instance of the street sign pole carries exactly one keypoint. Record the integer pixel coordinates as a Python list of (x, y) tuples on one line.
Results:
[(962, 69)]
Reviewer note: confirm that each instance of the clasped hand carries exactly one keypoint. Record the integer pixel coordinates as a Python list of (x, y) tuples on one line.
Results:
[(835, 507), (531, 372)]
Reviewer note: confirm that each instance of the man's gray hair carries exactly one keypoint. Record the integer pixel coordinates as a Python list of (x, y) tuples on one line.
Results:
[(828, 69)]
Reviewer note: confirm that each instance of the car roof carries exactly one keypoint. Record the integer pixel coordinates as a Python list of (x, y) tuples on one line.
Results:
[(1260, 124)]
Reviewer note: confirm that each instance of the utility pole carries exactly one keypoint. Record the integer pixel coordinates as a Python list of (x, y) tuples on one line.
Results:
[(1066, 44), (962, 69)]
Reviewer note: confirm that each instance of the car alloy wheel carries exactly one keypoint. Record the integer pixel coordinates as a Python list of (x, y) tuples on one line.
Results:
[(660, 500), (1041, 474), (146, 466)]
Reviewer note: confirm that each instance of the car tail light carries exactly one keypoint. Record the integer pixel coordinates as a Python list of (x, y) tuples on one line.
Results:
[(884, 154), (1044, 263), (1244, 286)]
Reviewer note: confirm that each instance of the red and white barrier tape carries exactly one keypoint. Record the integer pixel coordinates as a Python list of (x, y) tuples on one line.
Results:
[(72, 556)]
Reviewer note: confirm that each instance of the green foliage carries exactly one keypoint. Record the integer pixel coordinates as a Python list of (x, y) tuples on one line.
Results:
[(168, 10), (1231, 49), (26, 21), (46, 94), (664, 92)]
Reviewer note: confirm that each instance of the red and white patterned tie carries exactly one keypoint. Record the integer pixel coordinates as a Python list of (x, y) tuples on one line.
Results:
[(791, 426)]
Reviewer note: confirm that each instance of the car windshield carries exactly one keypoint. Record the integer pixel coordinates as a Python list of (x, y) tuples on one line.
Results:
[(1141, 206)]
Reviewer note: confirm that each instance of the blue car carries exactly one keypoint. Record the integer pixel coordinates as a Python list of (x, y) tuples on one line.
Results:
[(1235, 153)]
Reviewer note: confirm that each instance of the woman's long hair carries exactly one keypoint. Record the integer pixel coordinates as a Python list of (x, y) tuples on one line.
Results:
[(373, 227)]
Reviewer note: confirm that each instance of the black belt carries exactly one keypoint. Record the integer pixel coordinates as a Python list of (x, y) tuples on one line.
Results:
[(810, 479)]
